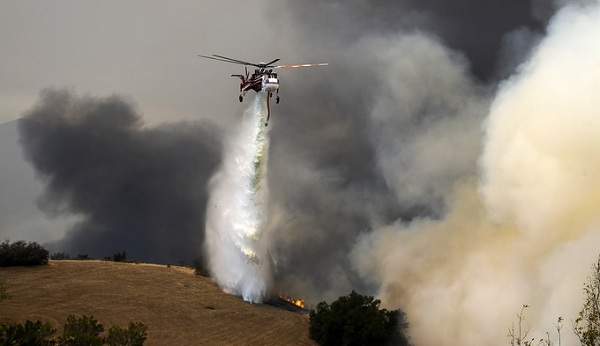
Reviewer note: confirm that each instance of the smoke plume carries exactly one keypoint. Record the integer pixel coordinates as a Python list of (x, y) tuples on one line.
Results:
[(236, 215), (389, 140), (135, 189), (527, 231), (382, 134)]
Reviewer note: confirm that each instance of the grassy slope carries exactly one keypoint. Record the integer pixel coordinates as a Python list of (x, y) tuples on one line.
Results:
[(178, 307)]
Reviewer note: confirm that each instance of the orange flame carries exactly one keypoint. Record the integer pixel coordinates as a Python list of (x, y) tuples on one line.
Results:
[(298, 302)]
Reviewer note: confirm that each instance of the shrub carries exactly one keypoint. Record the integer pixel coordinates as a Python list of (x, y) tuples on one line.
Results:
[(29, 333), (119, 257), (60, 256), (21, 253), (134, 335), (356, 320), (82, 331)]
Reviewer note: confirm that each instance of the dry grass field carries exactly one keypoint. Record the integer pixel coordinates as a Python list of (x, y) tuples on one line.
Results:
[(178, 307)]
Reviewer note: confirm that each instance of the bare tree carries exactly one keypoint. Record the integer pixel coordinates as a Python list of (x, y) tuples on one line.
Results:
[(517, 337), (558, 326)]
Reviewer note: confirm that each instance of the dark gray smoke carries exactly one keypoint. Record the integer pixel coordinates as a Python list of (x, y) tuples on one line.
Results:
[(138, 190), (477, 29)]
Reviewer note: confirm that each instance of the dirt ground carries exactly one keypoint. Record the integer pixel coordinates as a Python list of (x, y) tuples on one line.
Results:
[(178, 307)]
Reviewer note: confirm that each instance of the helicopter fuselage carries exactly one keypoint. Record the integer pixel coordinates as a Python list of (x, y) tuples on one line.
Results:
[(259, 81)]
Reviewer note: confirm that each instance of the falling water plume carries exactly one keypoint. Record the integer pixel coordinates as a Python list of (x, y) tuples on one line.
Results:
[(237, 253)]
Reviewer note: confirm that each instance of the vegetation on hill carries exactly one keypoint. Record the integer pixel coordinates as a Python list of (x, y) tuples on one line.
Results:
[(117, 257), (28, 333), (21, 253), (84, 330), (357, 320), (60, 256)]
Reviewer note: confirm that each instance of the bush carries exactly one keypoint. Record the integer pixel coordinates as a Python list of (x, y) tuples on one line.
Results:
[(134, 335), (58, 256), (29, 333), (357, 320), (82, 331), (119, 257), (21, 253)]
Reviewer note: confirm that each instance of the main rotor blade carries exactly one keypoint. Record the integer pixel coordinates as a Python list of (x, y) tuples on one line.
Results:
[(234, 60), (222, 60), (260, 65), (272, 62), (301, 65)]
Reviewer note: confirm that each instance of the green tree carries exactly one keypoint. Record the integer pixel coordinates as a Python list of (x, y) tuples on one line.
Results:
[(59, 256), (587, 325), (134, 335), (119, 257), (82, 331), (21, 253), (30, 333), (357, 320)]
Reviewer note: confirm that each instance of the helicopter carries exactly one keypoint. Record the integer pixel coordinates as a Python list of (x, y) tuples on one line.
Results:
[(263, 78)]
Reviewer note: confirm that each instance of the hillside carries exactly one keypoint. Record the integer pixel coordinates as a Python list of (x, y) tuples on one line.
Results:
[(178, 307)]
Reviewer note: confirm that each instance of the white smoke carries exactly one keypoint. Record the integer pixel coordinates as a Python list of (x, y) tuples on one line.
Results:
[(238, 257), (528, 230), (426, 119)]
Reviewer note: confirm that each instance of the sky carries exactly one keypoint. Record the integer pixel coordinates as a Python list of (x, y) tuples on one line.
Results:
[(145, 50), (439, 162)]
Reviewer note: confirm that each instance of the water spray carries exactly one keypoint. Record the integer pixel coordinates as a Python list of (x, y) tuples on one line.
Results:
[(237, 253)]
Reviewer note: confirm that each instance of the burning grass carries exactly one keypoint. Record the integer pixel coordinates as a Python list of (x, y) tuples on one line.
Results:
[(298, 302)]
